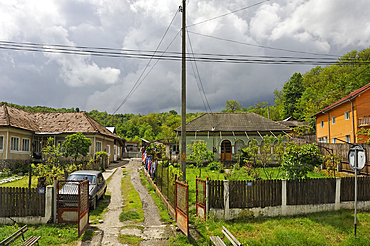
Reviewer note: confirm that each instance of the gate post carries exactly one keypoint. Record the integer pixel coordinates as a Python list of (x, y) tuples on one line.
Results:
[(55, 200), (283, 197), (207, 197), (226, 200)]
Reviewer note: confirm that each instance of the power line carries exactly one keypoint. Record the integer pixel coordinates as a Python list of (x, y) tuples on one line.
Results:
[(200, 84), (201, 57), (201, 22), (137, 84), (262, 46)]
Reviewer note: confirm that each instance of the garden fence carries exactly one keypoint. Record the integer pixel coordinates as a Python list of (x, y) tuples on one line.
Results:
[(21, 202)]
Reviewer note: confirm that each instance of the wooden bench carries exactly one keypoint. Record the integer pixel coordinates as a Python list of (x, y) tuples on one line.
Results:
[(30, 241), (218, 241)]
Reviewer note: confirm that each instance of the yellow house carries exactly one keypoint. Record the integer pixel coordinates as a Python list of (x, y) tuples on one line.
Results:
[(341, 121), (24, 134)]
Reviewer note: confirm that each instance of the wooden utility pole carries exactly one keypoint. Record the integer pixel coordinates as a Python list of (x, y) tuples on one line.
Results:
[(183, 95)]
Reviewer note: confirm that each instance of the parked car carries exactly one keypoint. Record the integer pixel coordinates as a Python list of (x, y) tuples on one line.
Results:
[(97, 187)]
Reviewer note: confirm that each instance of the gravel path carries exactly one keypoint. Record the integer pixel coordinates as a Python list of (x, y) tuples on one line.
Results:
[(154, 232)]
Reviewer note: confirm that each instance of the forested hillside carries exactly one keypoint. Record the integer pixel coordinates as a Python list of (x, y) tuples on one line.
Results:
[(301, 96)]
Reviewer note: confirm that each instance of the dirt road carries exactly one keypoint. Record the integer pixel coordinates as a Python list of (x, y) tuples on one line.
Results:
[(153, 233)]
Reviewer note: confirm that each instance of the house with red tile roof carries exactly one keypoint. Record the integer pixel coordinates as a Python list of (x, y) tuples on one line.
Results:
[(24, 134), (342, 120)]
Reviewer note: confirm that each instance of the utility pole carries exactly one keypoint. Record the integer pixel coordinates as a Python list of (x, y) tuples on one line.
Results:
[(183, 95)]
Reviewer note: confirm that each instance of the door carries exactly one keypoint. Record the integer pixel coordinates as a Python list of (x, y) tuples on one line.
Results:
[(226, 150)]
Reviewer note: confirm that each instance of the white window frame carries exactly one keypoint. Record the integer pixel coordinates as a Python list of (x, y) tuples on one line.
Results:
[(108, 149), (322, 124), (97, 144), (348, 138), (36, 146), (321, 140), (333, 120), (346, 115), (325, 139), (334, 140), (14, 146), (1, 143), (26, 142)]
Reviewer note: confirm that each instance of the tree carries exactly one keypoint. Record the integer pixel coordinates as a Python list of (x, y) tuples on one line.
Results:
[(52, 153), (232, 106), (200, 154), (76, 145), (299, 160), (292, 90)]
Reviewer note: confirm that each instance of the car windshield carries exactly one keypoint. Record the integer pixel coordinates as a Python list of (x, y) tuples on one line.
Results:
[(92, 178)]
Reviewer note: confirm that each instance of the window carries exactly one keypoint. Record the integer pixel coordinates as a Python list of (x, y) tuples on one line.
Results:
[(37, 146), (98, 147), (346, 115), (239, 144), (325, 139), (348, 138), (14, 143), (333, 120), (25, 144), (334, 140), (321, 140), (1, 143), (108, 150), (322, 124)]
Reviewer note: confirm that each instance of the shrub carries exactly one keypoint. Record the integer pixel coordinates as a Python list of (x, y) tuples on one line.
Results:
[(214, 165)]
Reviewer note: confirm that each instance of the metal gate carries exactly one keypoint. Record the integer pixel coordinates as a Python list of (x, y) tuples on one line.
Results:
[(201, 198), (73, 203), (182, 207)]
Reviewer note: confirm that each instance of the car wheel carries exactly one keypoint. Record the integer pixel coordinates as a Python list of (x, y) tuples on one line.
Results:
[(93, 207)]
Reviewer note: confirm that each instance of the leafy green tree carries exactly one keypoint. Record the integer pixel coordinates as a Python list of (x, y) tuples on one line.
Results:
[(292, 90), (299, 160), (200, 154), (232, 106), (52, 153), (76, 145)]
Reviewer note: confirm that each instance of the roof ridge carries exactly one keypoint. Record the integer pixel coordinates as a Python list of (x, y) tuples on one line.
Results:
[(90, 120), (6, 114)]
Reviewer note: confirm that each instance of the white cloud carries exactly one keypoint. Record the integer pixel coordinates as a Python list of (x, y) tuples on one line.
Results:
[(91, 82)]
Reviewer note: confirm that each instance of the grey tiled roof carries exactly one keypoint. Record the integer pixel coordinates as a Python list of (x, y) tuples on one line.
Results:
[(249, 122), (51, 122)]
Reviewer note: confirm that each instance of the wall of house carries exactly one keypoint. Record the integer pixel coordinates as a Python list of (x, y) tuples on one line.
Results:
[(6, 153), (215, 139)]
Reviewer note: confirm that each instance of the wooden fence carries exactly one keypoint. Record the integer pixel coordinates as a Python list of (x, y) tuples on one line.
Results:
[(268, 193), (21, 202)]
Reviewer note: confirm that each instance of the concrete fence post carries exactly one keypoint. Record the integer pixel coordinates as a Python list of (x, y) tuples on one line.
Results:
[(226, 200), (55, 201), (337, 194), (283, 197)]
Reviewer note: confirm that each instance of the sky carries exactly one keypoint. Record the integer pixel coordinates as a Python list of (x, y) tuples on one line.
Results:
[(257, 28)]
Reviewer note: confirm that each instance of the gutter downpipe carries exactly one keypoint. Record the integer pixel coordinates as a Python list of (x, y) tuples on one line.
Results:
[(328, 127), (353, 122)]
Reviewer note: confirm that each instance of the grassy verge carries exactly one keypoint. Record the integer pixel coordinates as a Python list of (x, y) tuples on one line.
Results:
[(57, 234), (22, 182), (165, 217), (133, 208)]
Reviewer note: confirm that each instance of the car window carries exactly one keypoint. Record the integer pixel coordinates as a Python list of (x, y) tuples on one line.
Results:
[(92, 178)]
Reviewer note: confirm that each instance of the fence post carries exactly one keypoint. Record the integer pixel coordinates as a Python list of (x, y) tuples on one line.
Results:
[(207, 197), (283, 197), (337, 194), (226, 199), (55, 201)]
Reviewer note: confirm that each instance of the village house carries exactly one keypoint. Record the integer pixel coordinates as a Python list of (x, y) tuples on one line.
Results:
[(227, 133), (24, 134), (341, 121)]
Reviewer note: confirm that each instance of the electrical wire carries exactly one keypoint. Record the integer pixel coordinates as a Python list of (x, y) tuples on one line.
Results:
[(201, 22), (138, 82), (176, 56), (200, 84)]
